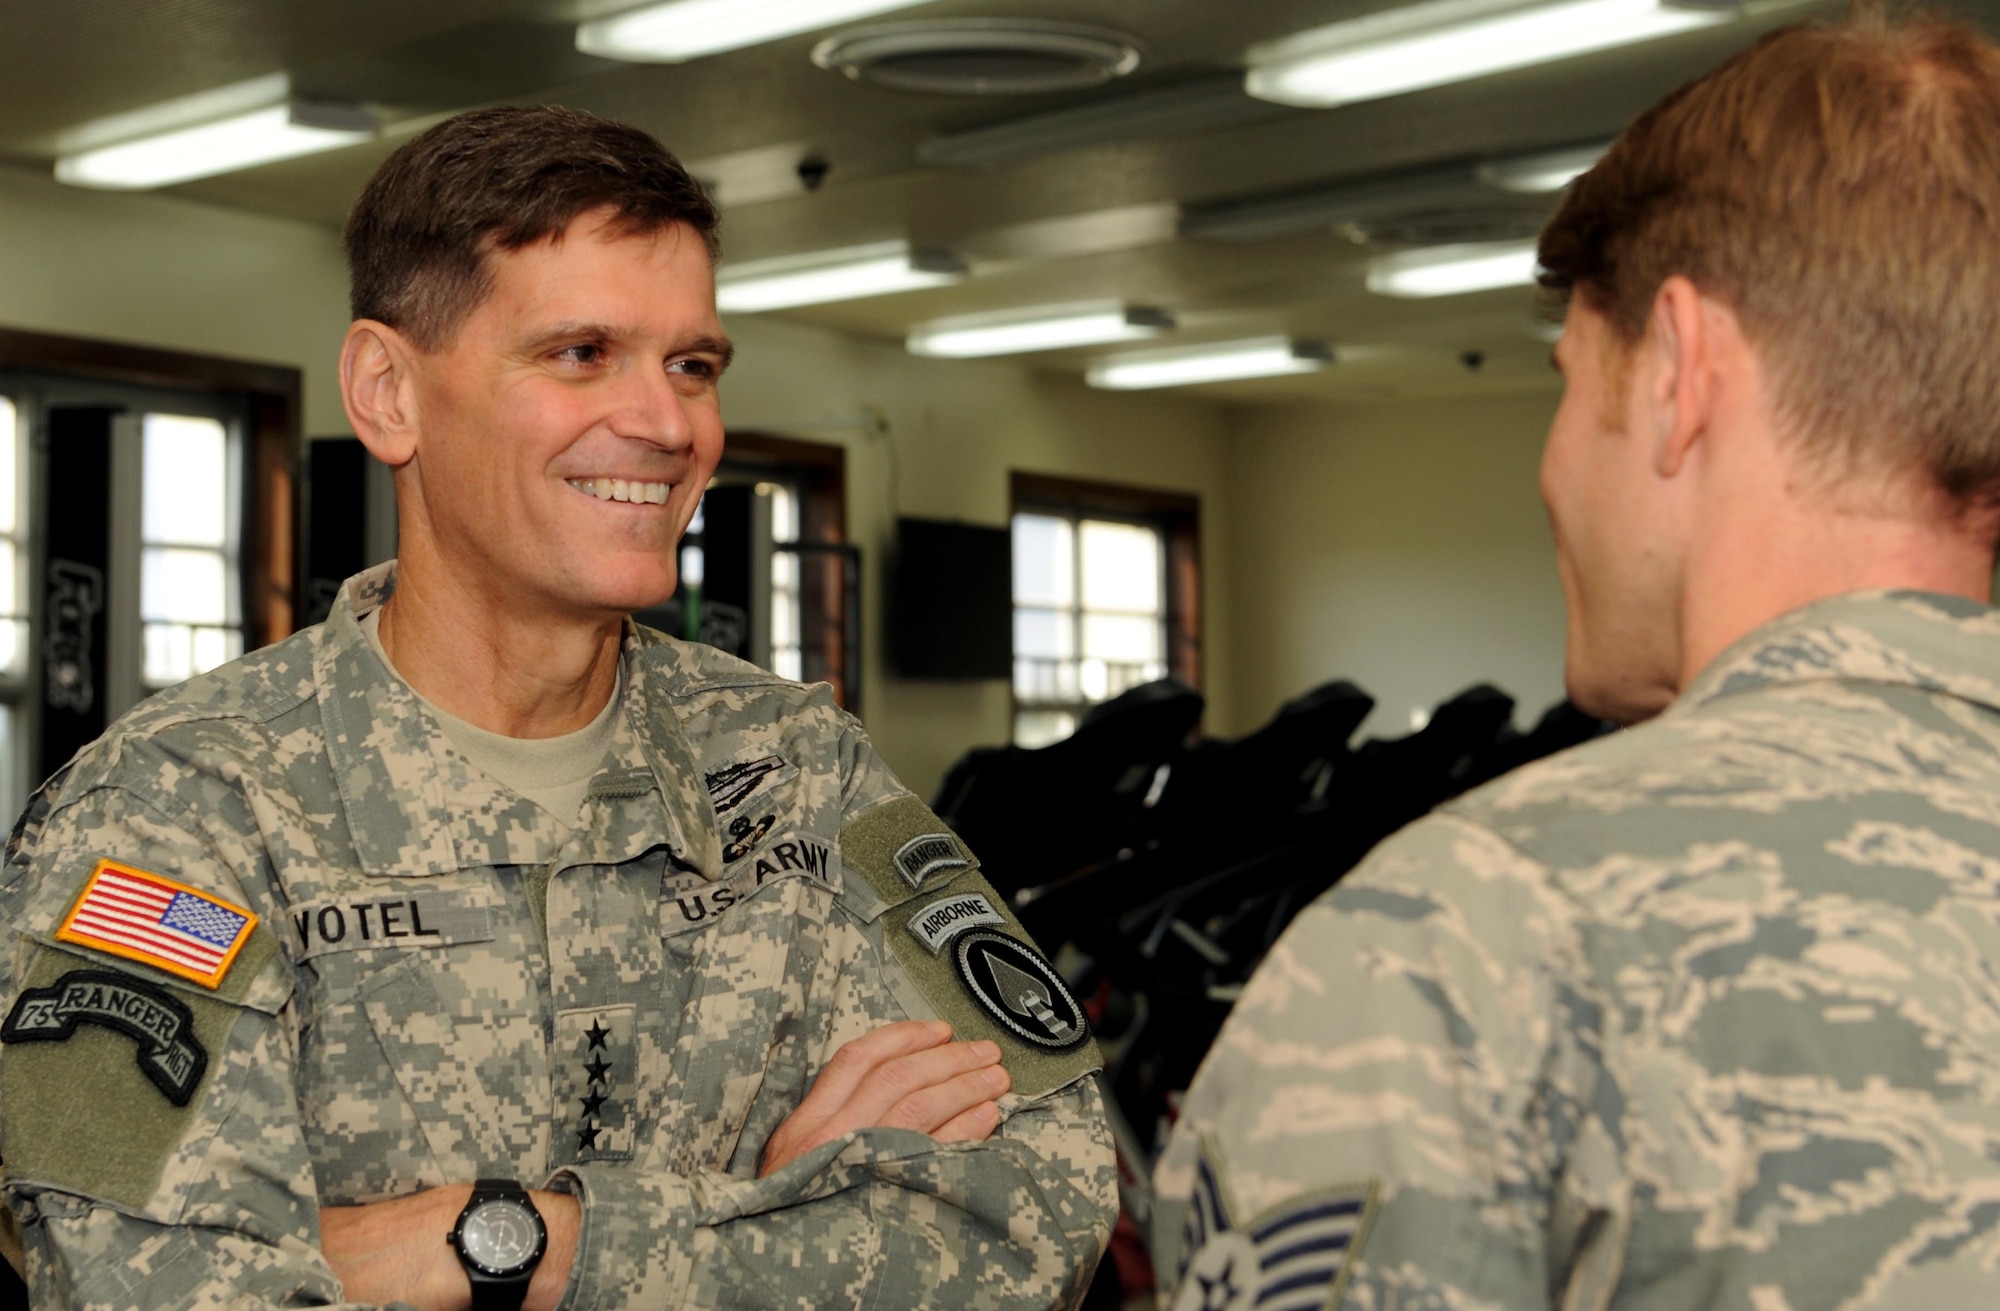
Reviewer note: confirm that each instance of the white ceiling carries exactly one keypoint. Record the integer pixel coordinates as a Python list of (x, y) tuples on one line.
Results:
[(1121, 219)]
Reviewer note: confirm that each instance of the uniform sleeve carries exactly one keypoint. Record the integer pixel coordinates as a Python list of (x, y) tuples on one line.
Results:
[(884, 1217), (1411, 1104), (149, 1120)]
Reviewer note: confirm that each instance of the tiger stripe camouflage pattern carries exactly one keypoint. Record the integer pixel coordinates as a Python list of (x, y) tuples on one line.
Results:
[(1702, 1014)]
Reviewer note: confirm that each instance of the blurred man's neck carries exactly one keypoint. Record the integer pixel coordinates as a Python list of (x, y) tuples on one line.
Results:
[(502, 669), (1772, 548)]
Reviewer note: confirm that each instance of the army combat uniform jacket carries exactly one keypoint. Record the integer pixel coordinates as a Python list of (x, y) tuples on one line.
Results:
[(273, 947), (1705, 1014)]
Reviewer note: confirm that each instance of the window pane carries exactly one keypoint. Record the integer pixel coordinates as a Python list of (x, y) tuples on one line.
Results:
[(789, 663), (10, 437), (14, 647), (1121, 637), (1043, 633), (1044, 568), (215, 646), (169, 653), (186, 481), (1121, 567), (11, 791), (187, 586), (1038, 728), (1039, 679), (10, 599), (693, 566), (784, 513)]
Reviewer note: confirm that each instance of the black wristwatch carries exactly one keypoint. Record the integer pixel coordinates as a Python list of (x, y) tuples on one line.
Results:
[(500, 1239)]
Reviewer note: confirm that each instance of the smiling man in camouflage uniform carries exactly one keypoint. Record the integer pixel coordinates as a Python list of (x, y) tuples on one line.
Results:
[(478, 883), (1704, 1014)]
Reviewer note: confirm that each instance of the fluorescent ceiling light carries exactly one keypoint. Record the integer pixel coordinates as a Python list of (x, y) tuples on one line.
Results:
[(1549, 170), (1450, 270), (242, 139), (1430, 44), (830, 275), (680, 30), (1046, 329), (1262, 357)]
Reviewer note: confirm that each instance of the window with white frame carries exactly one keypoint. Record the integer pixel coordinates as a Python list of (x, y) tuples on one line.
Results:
[(189, 580), (1090, 616), (787, 644)]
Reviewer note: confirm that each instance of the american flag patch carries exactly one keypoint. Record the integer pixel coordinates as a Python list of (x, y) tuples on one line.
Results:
[(156, 921), (1293, 1257)]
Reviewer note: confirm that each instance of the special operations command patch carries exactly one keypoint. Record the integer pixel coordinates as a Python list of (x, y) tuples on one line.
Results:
[(1021, 990), (965, 957)]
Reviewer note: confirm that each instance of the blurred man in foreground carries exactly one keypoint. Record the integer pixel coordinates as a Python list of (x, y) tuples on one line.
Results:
[(478, 948), (1703, 1014)]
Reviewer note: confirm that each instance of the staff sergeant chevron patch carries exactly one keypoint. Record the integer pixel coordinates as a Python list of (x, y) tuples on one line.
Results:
[(1292, 1257)]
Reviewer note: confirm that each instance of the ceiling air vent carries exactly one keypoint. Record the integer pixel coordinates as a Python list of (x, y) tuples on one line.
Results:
[(980, 56)]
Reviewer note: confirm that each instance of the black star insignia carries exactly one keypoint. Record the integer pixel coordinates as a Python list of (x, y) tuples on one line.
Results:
[(597, 1069), (593, 1104), (586, 1138), (597, 1034)]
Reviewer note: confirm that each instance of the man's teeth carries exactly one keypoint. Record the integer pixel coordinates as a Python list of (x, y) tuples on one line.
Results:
[(621, 489)]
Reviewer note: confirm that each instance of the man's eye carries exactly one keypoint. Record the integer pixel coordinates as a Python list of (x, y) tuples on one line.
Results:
[(583, 354), (693, 368)]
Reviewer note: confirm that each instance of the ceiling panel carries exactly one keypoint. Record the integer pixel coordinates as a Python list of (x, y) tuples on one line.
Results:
[(1096, 220)]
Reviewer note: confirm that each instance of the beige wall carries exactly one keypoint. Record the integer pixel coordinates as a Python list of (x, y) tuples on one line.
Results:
[(1402, 546), (164, 272), (158, 271), (957, 429)]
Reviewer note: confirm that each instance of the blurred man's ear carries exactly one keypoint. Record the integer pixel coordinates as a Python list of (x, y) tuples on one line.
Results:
[(1679, 357), (376, 389)]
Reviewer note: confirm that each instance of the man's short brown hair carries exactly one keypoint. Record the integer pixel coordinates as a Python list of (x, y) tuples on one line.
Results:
[(1839, 188), (501, 179)]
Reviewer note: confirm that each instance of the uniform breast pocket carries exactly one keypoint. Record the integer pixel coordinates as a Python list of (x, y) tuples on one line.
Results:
[(427, 1057), (740, 975)]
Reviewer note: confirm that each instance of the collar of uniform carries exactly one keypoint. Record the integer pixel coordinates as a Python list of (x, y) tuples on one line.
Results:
[(1927, 640), (651, 789), (411, 808)]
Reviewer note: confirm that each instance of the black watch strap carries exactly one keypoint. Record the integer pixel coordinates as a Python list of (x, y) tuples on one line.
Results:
[(491, 1292)]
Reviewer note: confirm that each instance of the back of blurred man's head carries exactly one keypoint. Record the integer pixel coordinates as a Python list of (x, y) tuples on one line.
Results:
[(1838, 188)]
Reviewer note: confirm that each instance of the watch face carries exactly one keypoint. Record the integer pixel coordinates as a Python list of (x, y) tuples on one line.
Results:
[(501, 1235)]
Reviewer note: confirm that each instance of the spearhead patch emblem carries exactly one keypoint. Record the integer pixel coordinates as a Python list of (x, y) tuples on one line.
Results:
[(1012, 983), (1027, 996)]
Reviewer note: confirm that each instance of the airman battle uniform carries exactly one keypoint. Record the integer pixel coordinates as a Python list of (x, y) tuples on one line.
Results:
[(276, 946), (1703, 1014)]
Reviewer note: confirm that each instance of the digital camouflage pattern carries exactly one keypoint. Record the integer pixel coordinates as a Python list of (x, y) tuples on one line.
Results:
[(397, 1021), (1703, 1014)]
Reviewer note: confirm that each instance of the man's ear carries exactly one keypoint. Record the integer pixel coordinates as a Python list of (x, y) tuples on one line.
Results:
[(1678, 385), (377, 387)]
